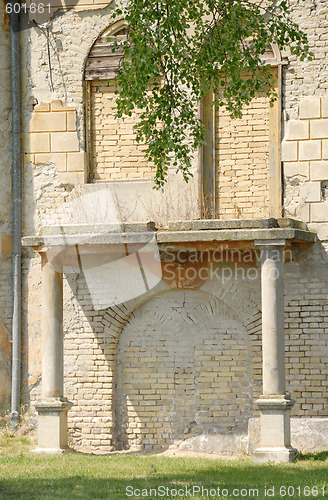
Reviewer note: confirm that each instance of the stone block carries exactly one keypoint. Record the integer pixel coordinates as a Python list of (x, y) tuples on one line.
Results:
[(295, 168), (324, 107), (42, 159), (311, 192), (325, 149), (64, 142), (48, 122), (297, 129), (319, 212), (309, 108), (58, 105), (39, 142), (310, 150), (318, 170), (71, 121), (321, 228), (308, 434), (42, 107), (72, 178), (52, 426), (75, 162), (289, 151), (305, 212), (319, 129)]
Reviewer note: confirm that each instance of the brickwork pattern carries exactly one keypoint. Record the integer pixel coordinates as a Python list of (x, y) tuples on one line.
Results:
[(242, 162), (172, 382), (115, 153), (306, 329), (111, 376), (90, 347)]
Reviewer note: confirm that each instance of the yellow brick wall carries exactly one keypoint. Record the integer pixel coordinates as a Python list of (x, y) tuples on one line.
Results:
[(173, 383), (115, 153), (242, 162)]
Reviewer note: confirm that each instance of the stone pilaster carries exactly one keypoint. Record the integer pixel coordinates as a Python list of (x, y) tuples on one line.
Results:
[(52, 409), (274, 404)]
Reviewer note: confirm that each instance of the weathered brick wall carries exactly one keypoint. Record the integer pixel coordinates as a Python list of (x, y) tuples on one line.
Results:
[(52, 139), (90, 347), (305, 156), (115, 153), (55, 155), (306, 327), (242, 162), (304, 150)]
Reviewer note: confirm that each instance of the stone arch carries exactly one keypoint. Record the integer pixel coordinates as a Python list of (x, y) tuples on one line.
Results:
[(182, 370)]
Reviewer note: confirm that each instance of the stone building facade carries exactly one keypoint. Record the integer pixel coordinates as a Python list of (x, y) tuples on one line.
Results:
[(180, 363)]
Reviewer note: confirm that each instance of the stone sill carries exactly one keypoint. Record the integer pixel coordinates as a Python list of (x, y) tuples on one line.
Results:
[(198, 231)]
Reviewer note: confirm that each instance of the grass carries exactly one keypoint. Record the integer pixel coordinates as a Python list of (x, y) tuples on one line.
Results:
[(28, 476)]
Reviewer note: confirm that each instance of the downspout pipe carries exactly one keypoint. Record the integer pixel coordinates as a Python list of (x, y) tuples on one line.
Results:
[(17, 216)]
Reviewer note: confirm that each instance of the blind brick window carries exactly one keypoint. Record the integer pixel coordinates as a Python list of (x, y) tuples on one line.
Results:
[(113, 150), (242, 162)]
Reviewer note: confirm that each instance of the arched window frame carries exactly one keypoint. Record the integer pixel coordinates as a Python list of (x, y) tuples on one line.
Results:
[(106, 73)]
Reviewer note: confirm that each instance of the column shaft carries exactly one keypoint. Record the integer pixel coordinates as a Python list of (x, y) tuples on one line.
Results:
[(273, 342), (52, 410), (52, 331), (274, 404)]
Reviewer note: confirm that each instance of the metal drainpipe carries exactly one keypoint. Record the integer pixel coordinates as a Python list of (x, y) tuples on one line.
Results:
[(17, 216)]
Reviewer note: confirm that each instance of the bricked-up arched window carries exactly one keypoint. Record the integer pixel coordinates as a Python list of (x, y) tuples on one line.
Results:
[(241, 159), (113, 152)]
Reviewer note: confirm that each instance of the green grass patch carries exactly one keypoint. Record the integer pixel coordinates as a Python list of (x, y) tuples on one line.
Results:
[(24, 475)]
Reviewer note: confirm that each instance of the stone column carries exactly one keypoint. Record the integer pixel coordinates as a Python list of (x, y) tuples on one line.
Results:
[(52, 409), (274, 403)]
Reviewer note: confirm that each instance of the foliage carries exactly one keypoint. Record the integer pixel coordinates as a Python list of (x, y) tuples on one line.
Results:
[(178, 49)]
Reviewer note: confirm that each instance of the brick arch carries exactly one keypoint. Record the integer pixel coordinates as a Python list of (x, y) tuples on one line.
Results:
[(221, 328), (243, 302)]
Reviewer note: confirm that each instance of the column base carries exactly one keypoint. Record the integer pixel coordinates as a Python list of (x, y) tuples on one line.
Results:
[(53, 451), (275, 429), (287, 454), (52, 425)]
